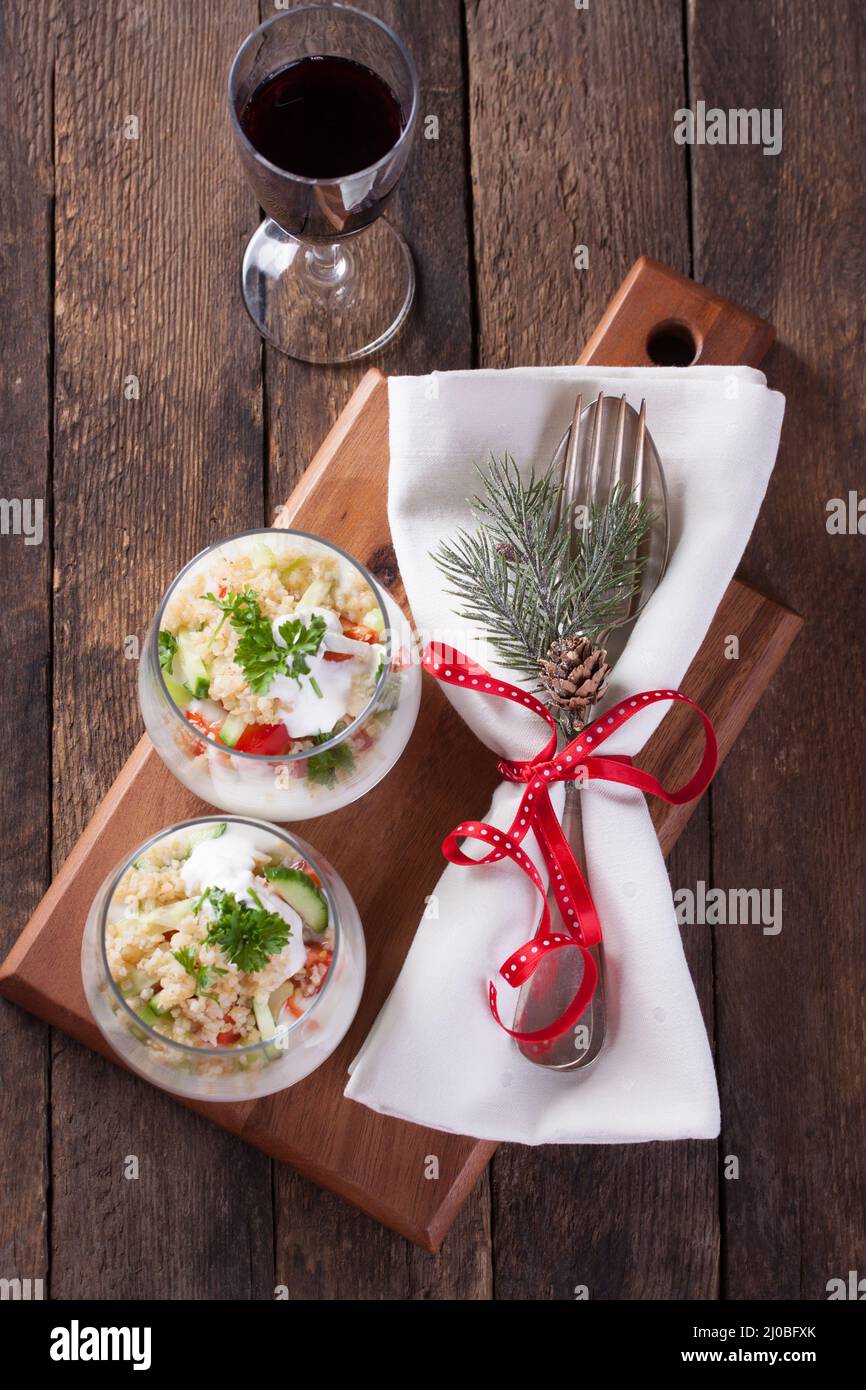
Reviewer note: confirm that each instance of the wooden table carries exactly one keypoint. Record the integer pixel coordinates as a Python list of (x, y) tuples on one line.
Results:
[(137, 401)]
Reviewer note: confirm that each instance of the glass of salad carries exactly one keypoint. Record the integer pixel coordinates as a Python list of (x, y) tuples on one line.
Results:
[(222, 960), (279, 680)]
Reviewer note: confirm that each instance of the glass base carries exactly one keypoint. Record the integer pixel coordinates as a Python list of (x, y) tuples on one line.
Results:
[(328, 303)]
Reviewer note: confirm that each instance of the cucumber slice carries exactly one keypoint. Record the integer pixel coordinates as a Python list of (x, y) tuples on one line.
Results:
[(178, 692), (298, 890), (232, 730), (263, 555), (374, 620), (264, 1020), (205, 832), (149, 1015), (315, 594), (154, 1004), (168, 916), (285, 568), (279, 997), (135, 981), (189, 669)]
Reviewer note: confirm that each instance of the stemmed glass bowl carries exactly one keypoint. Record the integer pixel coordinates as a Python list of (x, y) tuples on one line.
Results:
[(298, 1045), (311, 779)]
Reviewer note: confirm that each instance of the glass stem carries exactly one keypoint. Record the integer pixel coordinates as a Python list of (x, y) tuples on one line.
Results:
[(328, 275)]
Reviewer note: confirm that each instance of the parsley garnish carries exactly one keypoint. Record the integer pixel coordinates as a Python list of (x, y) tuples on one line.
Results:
[(187, 958), (243, 609), (301, 641), (249, 936), (167, 648), (323, 767), (258, 652), (202, 974)]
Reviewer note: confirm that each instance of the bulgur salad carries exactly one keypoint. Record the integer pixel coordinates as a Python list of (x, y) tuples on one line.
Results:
[(274, 648), (218, 936)]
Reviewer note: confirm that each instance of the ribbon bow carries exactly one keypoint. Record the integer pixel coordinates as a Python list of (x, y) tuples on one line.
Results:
[(578, 761)]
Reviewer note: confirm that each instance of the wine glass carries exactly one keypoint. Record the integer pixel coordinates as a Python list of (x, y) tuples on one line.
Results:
[(324, 102)]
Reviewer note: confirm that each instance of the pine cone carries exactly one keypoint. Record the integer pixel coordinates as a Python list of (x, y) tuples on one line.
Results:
[(574, 673)]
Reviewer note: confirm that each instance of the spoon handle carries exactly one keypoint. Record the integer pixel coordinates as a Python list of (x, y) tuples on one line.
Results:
[(557, 979)]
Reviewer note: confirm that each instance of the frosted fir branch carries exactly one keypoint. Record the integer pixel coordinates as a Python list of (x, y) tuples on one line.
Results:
[(519, 576)]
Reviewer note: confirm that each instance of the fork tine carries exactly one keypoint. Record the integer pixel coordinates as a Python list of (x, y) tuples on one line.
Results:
[(569, 472), (639, 448), (616, 456), (567, 462), (595, 451), (637, 492)]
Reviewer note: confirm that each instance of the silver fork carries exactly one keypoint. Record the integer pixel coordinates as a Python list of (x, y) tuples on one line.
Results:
[(606, 444)]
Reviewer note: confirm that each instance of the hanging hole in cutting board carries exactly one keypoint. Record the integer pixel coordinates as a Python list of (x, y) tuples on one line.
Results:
[(672, 344)]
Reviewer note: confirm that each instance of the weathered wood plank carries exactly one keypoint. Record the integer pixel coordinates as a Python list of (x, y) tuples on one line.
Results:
[(595, 170), (149, 231), (323, 1246), (790, 242), (569, 122), (26, 194)]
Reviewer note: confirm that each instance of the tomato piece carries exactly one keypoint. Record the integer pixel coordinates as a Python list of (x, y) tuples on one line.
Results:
[(359, 632), (206, 725), (265, 740), (318, 955), (298, 1012), (228, 1035), (338, 656), (305, 869)]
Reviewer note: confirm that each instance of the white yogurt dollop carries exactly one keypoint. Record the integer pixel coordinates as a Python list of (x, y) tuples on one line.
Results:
[(314, 703), (226, 862), (229, 862), (307, 710), (329, 617)]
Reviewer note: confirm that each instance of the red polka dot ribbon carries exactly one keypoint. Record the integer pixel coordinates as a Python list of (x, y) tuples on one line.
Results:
[(578, 761)]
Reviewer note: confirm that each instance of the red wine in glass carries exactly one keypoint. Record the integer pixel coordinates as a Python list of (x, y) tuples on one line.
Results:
[(324, 102), (323, 118)]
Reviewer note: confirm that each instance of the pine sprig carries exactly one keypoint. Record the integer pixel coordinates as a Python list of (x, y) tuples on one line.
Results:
[(496, 595), (521, 578)]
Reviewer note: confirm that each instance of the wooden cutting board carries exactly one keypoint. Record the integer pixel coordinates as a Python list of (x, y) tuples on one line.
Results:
[(374, 1161)]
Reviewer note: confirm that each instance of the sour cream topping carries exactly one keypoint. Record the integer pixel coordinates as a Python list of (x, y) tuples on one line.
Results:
[(315, 702), (229, 862)]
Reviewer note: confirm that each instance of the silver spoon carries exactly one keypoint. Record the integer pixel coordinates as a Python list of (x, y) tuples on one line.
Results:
[(606, 444)]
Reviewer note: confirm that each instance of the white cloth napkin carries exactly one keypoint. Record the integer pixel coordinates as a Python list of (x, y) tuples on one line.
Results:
[(435, 1056)]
